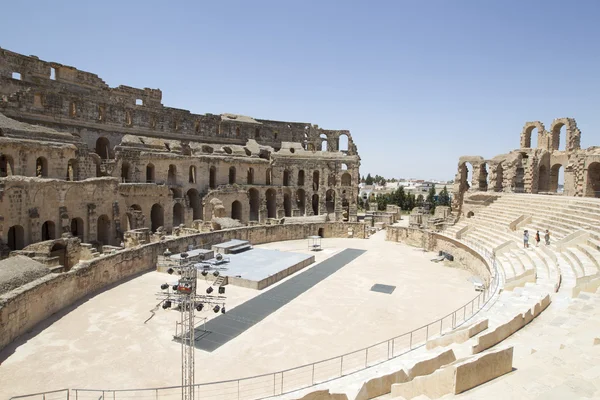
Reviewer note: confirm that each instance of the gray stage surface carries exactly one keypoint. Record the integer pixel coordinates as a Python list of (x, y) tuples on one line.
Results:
[(258, 264), (225, 327)]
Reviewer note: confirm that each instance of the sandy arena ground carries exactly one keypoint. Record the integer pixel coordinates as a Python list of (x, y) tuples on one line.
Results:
[(103, 343)]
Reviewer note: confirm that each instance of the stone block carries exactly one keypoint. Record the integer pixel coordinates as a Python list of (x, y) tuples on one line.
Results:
[(484, 367), (460, 335)]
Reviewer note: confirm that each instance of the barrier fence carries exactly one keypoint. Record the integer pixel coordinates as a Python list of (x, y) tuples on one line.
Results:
[(289, 380)]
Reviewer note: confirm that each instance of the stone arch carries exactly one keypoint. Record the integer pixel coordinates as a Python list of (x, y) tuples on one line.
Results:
[(465, 175), (212, 177), (569, 138), (301, 201), (316, 180), (483, 177), (527, 132), (48, 231), (250, 176), (16, 237), (556, 177), (150, 173), (271, 203), (178, 215), (77, 228), (41, 167), (499, 185), (232, 176), (346, 179), (236, 210), (172, 175), (324, 145), (254, 201), (269, 176), (343, 142), (192, 174), (103, 148), (315, 204), (286, 178), (593, 180), (195, 203), (543, 179), (330, 201), (125, 172), (6, 165), (300, 181), (287, 204), (157, 217), (72, 170), (470, 214), (103, 230)]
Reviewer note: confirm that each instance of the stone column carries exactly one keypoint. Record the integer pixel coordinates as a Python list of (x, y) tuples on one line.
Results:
[(34, 226), (92, 223)]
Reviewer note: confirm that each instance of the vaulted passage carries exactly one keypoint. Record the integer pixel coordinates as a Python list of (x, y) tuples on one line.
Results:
[(236, 210), (254, 204), (16, 237), (178, 216), (104, 230), (271, 204), (157, 217)]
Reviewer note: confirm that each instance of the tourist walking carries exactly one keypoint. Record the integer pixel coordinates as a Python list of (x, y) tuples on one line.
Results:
[(537, 238), (525, 239), (547, 237)]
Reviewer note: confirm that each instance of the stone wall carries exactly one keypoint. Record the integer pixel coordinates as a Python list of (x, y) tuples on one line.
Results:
[(23, 308)]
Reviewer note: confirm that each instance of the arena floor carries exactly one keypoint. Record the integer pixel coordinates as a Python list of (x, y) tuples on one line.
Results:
[(104, 343)]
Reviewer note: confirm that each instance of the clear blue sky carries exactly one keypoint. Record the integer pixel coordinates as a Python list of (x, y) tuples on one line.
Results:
[(418, 83)]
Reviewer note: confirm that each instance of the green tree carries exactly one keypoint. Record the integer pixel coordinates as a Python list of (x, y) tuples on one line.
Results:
[(420, 200), (444, 197), (369, 180), (431, 198)]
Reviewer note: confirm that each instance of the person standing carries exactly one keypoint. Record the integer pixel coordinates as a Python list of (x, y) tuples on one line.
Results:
[(525, 239), (537, 238), (547, 237)]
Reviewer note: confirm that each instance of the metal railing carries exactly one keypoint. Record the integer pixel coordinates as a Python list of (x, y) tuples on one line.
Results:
[(292, 379)]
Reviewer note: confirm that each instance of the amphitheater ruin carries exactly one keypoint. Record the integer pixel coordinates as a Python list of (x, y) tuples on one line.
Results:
[(100, 186)]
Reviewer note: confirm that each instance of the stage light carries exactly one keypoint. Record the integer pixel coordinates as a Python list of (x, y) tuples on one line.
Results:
[(204, 273), (170, 271), (216, 309), (175, 286), (223, 310), (167, 304), (221, 289), (199, 307), (209, 290), (164, 286), (216, 273)]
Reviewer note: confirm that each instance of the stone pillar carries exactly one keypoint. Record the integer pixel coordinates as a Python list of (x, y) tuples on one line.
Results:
[(92, 223), (308, 204), (65, 224), (34, 226)]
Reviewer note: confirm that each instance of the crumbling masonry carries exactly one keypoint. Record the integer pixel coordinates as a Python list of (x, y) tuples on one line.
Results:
[(80, 158)]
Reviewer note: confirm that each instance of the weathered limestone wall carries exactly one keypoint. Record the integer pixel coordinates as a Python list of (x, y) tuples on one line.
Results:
[(23, 308)]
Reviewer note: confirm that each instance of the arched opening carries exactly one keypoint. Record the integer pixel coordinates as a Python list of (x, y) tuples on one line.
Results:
[(466, 174), (48, 231), (531, 137), (103, 230), (231, 175), (192, 177), (150, 173), (271, 204), (470, 214), (72, 170), (543, 179), (346, 179), (316, 180), (250, 176), (301, 178), (16, 237), (315, 204), (343, 142), (287, 205), (77, 228), (125, 172), (195, 203), (103, 148), (330, 201), (344, 167), (212, 177), (557, 178), (178, 216), (593, 180), (269, 177), (483, 177), (321, 232), (6, 165), (60, 250), (172, 175), (254, 204), (559, 137), (324, 146), (301, 201), (236, 210), (41, 167), (499, 178), (286, 178), (157, 217)]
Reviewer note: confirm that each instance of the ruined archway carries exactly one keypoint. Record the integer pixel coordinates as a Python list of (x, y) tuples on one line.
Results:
[(48, 231), (543, 179), (250, 176), (287, 204), (77, 228), (103, 148), (195, 203), (231, 175), (286, 178), (72, 170), (301, 201), (157, 217), (556, 178), (271, 203), (300, 178), (16, 237), (324, 146), (212, 177), (330, 201), (178, 215), (103, 230), (172, 175), (593, 180), (346, 179), (531, 133), (483, 177), (315, 204), (254, 204), (343, 142), (236, 210), (150, 173), (6, 165), (499, 186), (41, 167)]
